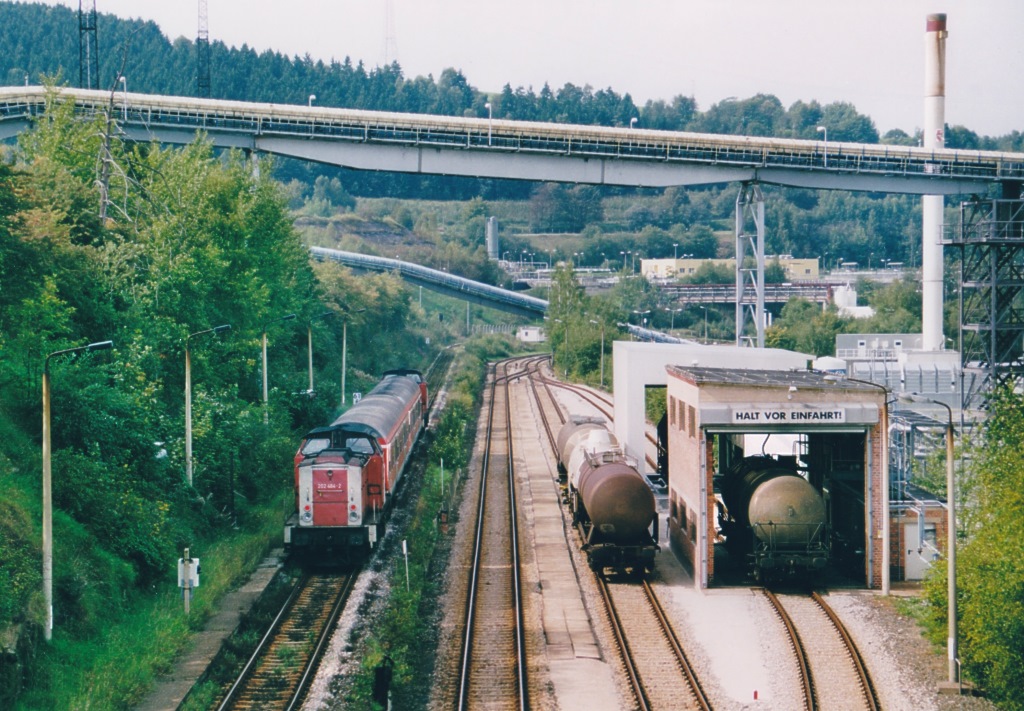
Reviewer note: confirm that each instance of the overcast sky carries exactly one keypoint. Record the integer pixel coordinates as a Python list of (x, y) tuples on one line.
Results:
[(867, 52)]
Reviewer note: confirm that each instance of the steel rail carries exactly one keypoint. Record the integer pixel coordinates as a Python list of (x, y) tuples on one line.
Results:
[(465, 667), (677, 648), (867, 687), (321, 644), (517, 597), (594, 399), (261, 646), (244, 678), (806, 682), (624, 652)]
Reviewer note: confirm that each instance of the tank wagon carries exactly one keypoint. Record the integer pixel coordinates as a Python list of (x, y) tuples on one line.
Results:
[(775, 517), (346, 473), (612, 506)]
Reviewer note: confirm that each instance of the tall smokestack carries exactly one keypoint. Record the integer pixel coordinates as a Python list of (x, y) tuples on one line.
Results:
[(931, 205)]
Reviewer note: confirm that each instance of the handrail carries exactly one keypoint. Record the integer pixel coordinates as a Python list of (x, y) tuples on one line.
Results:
[(503, 136)]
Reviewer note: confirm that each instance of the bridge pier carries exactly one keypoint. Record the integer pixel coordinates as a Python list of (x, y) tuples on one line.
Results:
[(750, 279)]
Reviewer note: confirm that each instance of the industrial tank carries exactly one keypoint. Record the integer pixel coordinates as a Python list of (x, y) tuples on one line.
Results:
[(770, 497), (574, 429), (615, 496)]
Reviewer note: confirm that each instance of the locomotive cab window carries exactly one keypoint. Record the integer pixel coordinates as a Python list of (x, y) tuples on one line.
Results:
[(315, 445), (356, 443)]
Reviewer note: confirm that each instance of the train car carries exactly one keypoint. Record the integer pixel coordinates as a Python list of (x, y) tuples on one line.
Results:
[(775, 517), (611, 503), (346, 474)]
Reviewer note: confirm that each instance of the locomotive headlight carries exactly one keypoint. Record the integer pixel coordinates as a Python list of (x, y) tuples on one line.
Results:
[(307, 514)]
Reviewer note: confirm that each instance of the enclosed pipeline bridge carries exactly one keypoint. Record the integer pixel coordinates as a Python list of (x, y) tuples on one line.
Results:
[(482, 147), (487, 148), (685, 294), (439, 281)]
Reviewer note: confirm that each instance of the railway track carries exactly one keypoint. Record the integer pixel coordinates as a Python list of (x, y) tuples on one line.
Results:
[(659, 672), (601, 403), (437, 372), (833, 674), (286, 659), (493, 669), (656, 666)]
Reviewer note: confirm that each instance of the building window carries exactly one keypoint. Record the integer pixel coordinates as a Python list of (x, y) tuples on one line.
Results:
[(692, 414), (671, 410)]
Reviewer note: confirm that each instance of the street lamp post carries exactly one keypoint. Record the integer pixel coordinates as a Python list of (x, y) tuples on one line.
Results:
[(675, 250), (490, 118), (266, 404), (124, 94), (309, 342), (312, 98), (705, 323), (672, 317), (953, 672), (632, 122), (188, 396), (824, 130), (643, 316), (48, 483)]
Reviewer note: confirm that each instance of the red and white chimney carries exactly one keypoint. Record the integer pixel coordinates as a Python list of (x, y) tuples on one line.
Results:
[(931, 205)]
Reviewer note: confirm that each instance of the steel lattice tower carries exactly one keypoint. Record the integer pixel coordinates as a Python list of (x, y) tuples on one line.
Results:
[(203, 54), (991, 242), (390, 38), (88, 54), (750, 263)]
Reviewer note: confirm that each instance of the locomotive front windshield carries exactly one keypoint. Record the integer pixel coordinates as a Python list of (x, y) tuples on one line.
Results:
[(354, 442), (314, 445)]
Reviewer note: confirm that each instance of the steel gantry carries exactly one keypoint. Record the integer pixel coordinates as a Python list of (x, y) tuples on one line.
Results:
[(750, 263), (991, 243)]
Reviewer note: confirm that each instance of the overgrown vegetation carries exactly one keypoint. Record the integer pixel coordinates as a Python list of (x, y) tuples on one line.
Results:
[(990, 557), (407, 630), (152, 253)]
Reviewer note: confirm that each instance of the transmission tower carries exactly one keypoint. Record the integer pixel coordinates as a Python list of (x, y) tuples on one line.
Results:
[(203, 54), (390, 39), (88, 54)]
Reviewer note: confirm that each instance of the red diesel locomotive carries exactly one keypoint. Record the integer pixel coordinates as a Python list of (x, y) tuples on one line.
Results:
[(346, 474)]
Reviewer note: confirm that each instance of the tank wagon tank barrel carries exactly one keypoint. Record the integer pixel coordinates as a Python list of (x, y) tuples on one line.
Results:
[(612, 504), (775, 516)]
